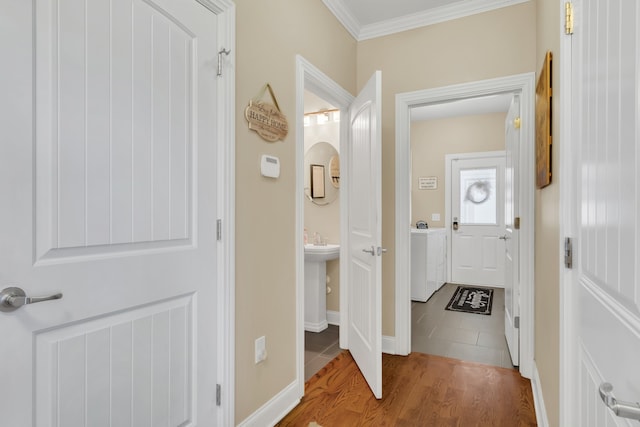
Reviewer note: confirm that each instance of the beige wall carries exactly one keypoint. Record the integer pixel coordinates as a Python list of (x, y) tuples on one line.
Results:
[(492, 44), (265, 208), (547, 250), (432, 140)]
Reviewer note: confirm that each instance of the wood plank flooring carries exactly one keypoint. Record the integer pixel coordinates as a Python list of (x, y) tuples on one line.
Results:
[(418, 390)]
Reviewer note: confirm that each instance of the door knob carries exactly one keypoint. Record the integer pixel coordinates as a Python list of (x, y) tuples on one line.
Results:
[(371, 251), (14, 298), (622, 409), (503, 237)]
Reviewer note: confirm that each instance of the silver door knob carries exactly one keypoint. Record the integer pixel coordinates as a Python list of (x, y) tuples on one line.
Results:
[(371, 251), (622, 409), (503, 237), (14, 298)]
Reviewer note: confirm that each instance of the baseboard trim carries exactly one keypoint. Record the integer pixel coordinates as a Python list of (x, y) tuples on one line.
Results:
[(388, 344), (333, 317), (275, 409), (538, 400), (315, 327)]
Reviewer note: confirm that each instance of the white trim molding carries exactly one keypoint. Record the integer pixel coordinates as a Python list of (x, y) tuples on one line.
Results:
[(423, 18), (333, 317), (524, 85), (309, 77), (226, 86), (538, 398), (275, 409)]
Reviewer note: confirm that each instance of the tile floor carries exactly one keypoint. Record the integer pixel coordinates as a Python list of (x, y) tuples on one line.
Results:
[(319, 349), (465, 336), (434, 330)]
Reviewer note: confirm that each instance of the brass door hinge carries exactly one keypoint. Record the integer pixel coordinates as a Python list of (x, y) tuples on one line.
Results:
[(568, 18), (516, 223), (516, 123)]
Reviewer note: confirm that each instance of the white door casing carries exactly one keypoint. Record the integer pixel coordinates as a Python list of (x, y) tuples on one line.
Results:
[(511, 236), (364, 256), (601, 293), (477, 207), (524, 86), (309, 77), (111, 171)]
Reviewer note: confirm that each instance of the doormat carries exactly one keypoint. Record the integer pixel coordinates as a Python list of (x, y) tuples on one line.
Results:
[(471, 300)]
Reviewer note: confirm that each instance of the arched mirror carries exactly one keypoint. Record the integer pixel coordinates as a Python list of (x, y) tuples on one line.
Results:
[(322, 173)]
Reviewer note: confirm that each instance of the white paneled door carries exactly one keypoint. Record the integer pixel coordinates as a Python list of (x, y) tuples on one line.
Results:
[(109, 197), (364, 259), (511, 237), (605, 149), (477, 218)]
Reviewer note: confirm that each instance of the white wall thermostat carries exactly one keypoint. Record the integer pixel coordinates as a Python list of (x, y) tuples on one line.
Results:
[(270, 166)]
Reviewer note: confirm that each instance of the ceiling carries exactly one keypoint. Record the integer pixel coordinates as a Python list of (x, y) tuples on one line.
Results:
[(366, 19)]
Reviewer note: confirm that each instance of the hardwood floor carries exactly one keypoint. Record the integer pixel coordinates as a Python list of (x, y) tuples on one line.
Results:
[(418, 390)]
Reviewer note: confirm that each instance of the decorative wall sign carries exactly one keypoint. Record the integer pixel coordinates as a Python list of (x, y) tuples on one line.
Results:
[(266, 119), (543, 124), (428, 183)]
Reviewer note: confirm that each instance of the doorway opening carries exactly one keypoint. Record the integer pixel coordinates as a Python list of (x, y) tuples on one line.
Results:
[(314, 88), (321, 171), (522, 85)]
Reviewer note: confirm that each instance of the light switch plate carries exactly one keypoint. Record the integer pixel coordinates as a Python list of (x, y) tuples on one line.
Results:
[(435, 217), (260, 349)]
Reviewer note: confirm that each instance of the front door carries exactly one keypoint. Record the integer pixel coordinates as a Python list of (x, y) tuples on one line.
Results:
[(109, 178), (605, 160), (365, 234), (477, 219), (511, 236)]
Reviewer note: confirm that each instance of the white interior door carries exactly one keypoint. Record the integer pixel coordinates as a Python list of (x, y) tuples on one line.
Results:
[(605, 128), (364, 258), (477, 219), (511, 236), (109, 177)]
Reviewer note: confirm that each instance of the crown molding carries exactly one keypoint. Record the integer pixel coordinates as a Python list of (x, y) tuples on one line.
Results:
[(344, 15), (416, 20)]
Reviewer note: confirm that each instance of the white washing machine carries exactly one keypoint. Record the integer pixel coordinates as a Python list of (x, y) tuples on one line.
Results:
[(428, 254)]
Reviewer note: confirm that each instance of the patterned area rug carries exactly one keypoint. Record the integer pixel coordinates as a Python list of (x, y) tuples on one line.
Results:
[(471, 300)]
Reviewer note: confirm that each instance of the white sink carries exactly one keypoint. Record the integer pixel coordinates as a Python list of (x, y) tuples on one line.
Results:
[(315, 284), (315, 253)]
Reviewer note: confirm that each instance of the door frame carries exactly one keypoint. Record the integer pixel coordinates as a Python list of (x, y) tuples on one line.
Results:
[(226, 194), (447, 197), (567, 214), (309, 77), (524, 85)]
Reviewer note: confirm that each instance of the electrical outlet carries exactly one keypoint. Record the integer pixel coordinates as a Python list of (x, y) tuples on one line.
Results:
[(260, 349), (435, 217)]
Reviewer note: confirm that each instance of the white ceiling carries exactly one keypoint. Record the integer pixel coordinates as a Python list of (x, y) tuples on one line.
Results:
[(366, 19), (369, 12)]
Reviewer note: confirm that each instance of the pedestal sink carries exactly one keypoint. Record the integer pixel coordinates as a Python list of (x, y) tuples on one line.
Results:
[(315, 285)]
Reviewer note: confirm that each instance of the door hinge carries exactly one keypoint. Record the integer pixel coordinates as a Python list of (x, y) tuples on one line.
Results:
[(219, 230), (568, 18), (568, 252), (516, 322), (224, 52), (218, 395), (516, 223), (516, 123)]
